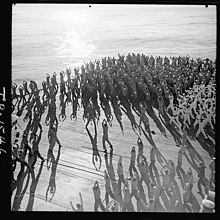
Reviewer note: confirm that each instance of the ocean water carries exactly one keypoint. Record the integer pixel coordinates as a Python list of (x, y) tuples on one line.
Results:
[(48, 38)]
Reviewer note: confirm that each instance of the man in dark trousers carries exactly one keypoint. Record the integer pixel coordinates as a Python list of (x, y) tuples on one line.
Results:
[(201, 176), (35, 148)]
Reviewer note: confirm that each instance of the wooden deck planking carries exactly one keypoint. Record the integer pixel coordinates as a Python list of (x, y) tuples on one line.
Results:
[(75, 172)]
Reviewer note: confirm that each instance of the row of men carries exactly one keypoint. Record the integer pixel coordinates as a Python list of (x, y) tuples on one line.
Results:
[(128, 80), (196, 106)]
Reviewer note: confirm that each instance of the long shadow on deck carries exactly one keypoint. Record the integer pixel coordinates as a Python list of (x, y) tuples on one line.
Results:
[(172, 129), (125, 106), (152, 114), (52, 182), (33, 187), (148, 137), (117, 111), (19, 184), (111, 173), (95, 152)]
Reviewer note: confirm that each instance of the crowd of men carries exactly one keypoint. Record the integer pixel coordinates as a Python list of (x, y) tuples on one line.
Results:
[(181, 87)]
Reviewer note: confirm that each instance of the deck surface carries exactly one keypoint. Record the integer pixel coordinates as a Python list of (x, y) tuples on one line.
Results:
[(75, 173)]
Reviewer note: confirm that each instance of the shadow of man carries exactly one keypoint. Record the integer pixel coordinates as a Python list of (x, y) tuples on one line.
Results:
[(117, 111), (207, 145), (95, 152), (106, 109), (52, 183), (126, 108), (149, 136), (152, 114), (19, 184), (33, 188), (152, 167), (111, 173), (172, 129)]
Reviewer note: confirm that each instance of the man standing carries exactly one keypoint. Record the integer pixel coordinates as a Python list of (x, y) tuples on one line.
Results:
[(97, 193), (127, 200), (201, 122), (108, 188), (120, 174), (105, 136), (132, 162), (35, 148), (161, 104), (52, 136), (201, 176)]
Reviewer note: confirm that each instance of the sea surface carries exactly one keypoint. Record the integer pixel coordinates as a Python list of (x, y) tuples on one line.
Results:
[(48, 38)]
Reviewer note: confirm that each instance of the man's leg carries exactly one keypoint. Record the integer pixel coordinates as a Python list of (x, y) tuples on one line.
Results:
[(168, 192), (198, 131), (130, 207), (134, 168), (39, 155), (27, 165), (136, 195), (130, 169), (106, 196), (35, 159), (199, 186), (204, 133), (101, 205), (103, 144), (109, 143), (111, 194), (203, 183), (124, 208), (96, 206), (119, 184), (156, 175)]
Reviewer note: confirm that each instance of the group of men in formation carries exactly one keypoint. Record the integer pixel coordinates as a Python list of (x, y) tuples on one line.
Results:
[(180, 87)]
